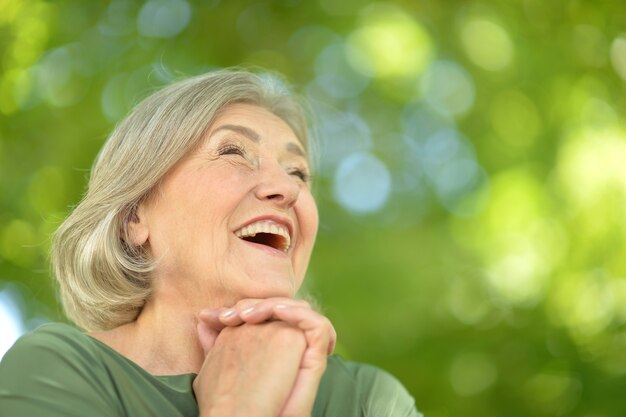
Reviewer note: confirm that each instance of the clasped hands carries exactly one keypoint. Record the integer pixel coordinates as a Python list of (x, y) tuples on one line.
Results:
[(263, 357)]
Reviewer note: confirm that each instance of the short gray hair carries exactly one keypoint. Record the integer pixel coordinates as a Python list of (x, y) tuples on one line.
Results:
[(104, 281)]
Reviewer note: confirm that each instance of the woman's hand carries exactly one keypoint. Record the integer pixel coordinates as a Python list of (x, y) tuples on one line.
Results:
[(250, 370), (319, 334)]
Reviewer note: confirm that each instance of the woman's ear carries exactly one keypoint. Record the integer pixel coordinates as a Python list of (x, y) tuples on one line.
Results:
[(137, 232)]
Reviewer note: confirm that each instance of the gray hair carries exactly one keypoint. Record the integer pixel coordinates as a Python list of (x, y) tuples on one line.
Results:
[(104, 281)]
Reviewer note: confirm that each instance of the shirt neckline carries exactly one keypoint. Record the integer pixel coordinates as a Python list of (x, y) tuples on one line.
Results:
[(109, 349)]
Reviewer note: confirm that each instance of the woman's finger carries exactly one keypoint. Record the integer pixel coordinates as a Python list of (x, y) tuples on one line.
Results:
[(250, 367), (207, 336), (263, 310), (298, 315), (318, 330), (211, 317), (234, 316), (319, 334), (219, 318)]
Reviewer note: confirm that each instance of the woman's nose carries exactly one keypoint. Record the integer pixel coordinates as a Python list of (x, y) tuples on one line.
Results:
[(277, 186)]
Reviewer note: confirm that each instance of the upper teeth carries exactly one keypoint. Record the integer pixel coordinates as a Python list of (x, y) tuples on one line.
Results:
[(266, 226)]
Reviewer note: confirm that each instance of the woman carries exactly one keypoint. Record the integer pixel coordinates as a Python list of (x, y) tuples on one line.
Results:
[(181, 264)]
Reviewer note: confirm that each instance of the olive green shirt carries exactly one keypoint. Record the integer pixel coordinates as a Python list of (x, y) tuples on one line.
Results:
[(57, 371)]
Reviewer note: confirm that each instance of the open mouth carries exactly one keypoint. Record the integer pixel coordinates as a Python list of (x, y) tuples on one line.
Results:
[(268, 233)]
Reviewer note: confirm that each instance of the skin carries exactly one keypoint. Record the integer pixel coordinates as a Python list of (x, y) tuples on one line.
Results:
[(223, 307), (319, 337)]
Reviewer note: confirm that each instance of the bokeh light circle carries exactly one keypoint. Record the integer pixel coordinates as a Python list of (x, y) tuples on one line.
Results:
[(487, 44), (163, 18), (448, 87), (341, 134), (335, 75), (618, 55), (420, 121), (452, 170), (362, 183), (389, 43)]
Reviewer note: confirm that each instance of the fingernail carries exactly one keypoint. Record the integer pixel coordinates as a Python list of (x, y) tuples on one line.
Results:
[(247, 311), (227, 313), (281, 306)]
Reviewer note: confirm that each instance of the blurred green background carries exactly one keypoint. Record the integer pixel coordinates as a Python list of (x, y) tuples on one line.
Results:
[(471, 183)]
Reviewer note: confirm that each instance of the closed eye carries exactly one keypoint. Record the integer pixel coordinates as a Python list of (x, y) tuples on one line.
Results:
[(231, 149), (302, 174)]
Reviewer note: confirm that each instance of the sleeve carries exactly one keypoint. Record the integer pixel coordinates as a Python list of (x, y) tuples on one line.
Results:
[(383, 395), (351, 389), (53, 375)]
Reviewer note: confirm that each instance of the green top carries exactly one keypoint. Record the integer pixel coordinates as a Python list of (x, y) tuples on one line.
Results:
[(57, 371)]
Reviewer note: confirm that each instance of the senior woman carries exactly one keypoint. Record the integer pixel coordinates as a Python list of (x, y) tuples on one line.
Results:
[(181, 265)]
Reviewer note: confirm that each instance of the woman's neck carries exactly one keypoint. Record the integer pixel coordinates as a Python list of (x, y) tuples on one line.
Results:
[(163, 339)]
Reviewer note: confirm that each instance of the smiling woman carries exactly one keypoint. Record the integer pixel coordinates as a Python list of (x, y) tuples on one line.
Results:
[(181, 265)]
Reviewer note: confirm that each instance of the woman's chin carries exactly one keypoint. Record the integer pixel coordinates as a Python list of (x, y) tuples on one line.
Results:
[(270, 285)]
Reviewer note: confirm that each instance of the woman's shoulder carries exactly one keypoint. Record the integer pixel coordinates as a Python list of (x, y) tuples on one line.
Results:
[(51, 340), (51, 332), (54, 368), (57, 370), (54, 349), (352, 388), (54, 338)]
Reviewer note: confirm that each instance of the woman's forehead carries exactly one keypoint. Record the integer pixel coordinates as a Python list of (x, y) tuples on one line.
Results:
[(251, 114), (257, 124)]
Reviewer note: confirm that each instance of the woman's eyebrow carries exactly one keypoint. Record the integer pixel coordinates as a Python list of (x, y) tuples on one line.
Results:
[(245, 131), (295, 149)]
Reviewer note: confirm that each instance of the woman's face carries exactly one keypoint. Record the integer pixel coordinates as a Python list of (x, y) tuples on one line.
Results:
[(235, 218)]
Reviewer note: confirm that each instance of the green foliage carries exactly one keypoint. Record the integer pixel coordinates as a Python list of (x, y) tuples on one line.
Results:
[(488, 273)]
